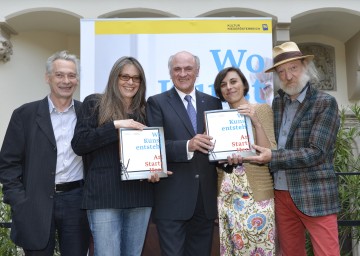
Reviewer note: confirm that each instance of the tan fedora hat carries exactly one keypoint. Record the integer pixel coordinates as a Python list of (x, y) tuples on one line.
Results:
[(287, 52)]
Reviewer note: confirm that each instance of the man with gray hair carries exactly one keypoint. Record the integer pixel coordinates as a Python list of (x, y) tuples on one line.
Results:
[(306, 122), (185, 202), (41, 175)]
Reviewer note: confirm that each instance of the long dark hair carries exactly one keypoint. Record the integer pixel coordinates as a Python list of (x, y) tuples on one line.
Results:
[(111, 104)]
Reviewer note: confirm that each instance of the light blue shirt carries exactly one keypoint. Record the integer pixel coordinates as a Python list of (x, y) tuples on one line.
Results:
[(69, 166), (287, 119)]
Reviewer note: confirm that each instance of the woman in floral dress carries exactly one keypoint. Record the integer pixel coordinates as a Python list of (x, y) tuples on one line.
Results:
[(246, 196)]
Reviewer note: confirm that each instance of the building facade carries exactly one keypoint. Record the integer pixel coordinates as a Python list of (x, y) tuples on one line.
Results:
[(30, 31)]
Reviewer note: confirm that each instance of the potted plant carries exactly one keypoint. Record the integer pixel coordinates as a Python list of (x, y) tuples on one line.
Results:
[(7, 247), (347, 165)]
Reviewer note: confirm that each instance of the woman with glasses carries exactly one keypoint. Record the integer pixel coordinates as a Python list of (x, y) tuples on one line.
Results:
[(118, 211), (246, 191)]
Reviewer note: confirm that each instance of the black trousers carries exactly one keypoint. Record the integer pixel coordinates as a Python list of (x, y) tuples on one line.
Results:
[(191, 237), (71, 224)]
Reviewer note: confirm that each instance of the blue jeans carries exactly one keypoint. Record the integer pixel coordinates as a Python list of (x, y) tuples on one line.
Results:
[(119, 231)]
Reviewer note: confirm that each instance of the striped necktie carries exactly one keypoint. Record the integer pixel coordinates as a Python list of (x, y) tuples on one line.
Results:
[(191, 112)]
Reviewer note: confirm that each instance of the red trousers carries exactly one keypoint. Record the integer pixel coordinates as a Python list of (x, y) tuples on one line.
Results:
[(291, 226)]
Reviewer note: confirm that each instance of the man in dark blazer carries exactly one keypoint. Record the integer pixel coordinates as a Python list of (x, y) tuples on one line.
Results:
[(306, 123), (185, 202), (42, 177)]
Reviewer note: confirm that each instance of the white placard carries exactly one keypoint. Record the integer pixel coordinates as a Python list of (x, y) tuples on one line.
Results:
[(142, 152), (232, 134)]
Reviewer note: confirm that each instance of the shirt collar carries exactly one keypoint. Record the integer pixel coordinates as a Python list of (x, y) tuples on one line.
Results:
[(182, 95), (302, 94), (52, 107)]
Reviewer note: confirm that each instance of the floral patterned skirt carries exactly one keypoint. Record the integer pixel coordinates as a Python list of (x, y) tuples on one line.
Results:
[(246, 227)]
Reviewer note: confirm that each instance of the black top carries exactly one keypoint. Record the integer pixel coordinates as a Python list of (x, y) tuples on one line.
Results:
[(99, 146)]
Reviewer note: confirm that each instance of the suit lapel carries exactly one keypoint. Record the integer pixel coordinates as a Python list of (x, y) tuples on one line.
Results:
[(179, 109), (44, 121), (200, 108)]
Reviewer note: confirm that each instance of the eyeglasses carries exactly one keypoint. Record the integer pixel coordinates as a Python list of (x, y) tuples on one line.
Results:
[(61, 76), (135, 79)]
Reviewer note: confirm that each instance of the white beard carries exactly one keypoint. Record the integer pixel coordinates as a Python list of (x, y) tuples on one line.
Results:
[(304, 78)]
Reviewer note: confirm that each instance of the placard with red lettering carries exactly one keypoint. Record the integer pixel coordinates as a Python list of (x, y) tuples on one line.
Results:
[(231, 132), (142, 153)]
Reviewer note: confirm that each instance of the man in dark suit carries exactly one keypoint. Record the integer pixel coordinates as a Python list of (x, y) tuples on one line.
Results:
[(306, 123), (185, 202), (41, 175)]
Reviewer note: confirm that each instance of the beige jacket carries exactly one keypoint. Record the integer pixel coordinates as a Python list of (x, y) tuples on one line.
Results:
[(259, 177)]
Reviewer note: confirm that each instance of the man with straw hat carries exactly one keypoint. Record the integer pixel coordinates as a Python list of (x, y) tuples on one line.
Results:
[(306, 122)]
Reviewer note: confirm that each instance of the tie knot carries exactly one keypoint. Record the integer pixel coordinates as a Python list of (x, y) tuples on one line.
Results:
[(188, 98)]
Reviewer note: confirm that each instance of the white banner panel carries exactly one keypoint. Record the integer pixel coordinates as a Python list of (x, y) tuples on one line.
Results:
[(240, 42)]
